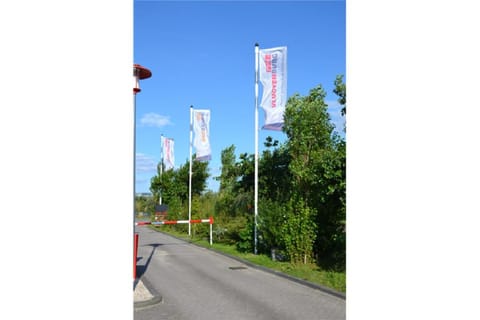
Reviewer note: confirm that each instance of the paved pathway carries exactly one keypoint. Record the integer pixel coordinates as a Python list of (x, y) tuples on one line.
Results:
[(196, 283)]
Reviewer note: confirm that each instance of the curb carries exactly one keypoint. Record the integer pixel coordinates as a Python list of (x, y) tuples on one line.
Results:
[(156, 297), (281, 274), (312, 285)]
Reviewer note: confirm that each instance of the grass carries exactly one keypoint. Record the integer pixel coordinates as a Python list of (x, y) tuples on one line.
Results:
[(309, 272)]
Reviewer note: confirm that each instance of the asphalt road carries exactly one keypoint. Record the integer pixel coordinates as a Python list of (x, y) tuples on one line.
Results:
[(196, 283)]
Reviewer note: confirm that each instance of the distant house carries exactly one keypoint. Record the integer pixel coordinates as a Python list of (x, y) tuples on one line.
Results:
[(161, 212), (144, 194)]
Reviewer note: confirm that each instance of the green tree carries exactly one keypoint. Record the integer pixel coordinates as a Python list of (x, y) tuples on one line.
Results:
[(341, 91), (174, 184), (144, 204), (274, 192), (200, 175), (317, 166), (227, 179), (228, 174), (274, 175), (309, 131), (331, 237), (245, 184)]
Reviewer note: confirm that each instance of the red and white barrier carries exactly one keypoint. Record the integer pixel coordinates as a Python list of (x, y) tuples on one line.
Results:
[(209, 220)]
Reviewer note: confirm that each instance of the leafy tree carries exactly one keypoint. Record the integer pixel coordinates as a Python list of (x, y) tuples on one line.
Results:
[(174, 184), (228, 175), (144, 204), (309, 130), (331, 237), (246, 172), (227, 179), (274, 175), (317, 166), (341, 91), (166, 184), (199, 177), (244, 186)]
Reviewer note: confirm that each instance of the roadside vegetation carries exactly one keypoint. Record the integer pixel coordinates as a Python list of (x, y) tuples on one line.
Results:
[(302, 202)]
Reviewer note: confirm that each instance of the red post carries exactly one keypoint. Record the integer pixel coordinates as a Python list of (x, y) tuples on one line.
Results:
[(135, 249)]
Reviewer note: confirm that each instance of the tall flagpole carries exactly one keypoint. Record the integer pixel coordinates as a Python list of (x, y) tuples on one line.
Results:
[(190, 175), (161, 167), (256, 148)]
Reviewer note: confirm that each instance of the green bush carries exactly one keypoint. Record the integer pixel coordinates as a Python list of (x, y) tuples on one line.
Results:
[(298, 232), (246, 235), (271, 216), (227, 229)]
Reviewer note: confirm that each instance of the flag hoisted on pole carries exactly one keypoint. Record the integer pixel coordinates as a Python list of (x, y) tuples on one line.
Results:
[(168, 157), (201, 127), (161, 168), (273, 75), (200, 124)]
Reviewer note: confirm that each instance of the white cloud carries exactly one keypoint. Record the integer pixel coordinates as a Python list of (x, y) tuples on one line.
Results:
[(155, 120), (145, 163)]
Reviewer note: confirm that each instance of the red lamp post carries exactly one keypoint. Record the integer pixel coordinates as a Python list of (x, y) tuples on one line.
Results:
[(139, 73)]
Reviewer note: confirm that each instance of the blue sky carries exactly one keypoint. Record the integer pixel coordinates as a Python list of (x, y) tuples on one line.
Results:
[(202, 54)]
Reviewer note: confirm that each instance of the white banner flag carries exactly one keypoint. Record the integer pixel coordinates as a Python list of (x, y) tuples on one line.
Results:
[(201, 127), (168, 155), (273, 75)]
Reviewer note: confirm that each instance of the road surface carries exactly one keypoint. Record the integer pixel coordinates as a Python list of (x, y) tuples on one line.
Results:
[(198, 284)]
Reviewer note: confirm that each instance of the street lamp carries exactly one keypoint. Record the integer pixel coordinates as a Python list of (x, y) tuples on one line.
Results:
[(139, 73)]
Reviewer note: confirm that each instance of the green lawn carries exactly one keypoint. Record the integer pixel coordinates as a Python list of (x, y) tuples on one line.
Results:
[(309, 272)]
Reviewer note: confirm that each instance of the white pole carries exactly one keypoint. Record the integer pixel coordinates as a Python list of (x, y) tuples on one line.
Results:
[(256, 147), (190, 175), (211, 234), (161, 166)]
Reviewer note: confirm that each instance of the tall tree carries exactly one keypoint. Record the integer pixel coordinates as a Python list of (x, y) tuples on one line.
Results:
[(274, 176), (174, 183), (309, 131), (341, 91), (228, 175), (227, 179), (318, 169)]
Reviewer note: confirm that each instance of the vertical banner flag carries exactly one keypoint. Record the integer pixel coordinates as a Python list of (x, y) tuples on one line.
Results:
[(201, 127), (273, 75), (168, 155)]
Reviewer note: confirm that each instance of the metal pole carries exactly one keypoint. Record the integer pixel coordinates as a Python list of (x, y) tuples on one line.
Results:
[(139, 73), (256, 149), (135, 235), (134, 155), (190, 174)]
